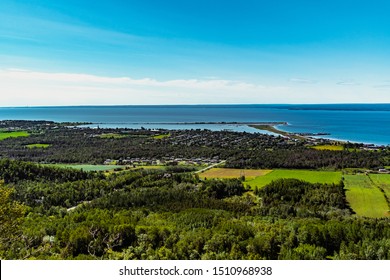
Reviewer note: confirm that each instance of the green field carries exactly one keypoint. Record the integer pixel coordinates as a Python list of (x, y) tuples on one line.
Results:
[(306, 175), (32, 146), (102, 167), (161, 136), (382, 181), (89, 167), (112, 135), (13, 134), (328, 147), (364, 196)]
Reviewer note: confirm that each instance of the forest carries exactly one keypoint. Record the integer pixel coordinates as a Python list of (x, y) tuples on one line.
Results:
[(50, 212)]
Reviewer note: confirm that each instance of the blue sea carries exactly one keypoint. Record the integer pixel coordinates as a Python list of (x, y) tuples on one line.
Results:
[(362, 123)]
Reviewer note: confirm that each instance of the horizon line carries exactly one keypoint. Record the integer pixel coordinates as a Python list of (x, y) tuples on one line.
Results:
[(196, 104)]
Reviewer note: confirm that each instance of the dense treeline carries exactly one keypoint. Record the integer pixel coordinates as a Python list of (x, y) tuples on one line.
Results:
[(295, 198), (15, 170), (166, 215), (306, 158)]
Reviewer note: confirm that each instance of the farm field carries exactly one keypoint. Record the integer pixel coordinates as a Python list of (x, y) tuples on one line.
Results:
[(364, 197), (32, 146), (230, 173), (112, 136), (382, 181), (102, 167), (13, 134), (328, 147), (88, 167), (362, 193), (161, 136), (306, 175)]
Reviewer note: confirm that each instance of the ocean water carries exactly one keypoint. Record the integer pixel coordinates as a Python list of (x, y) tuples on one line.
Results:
[(363, 123)]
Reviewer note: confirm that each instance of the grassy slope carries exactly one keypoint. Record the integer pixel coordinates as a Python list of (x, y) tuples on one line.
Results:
[(88, 167), (364, 197), (328, 147), (161, 136), (306, 175), (382, 181), (112, 135), (13, 134), (31, 146)]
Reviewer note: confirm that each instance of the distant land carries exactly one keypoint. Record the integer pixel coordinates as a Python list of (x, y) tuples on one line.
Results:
[(362, 123)]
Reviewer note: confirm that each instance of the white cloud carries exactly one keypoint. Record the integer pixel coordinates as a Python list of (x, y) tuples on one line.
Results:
[(348, 83), (383, 85), (24, 87), (32, 88)]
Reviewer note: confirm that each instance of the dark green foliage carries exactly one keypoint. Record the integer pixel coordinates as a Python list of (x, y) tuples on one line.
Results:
[(241, 150), (295, 198), (15, 171), (222, 188), (159, 215), (172, 214)]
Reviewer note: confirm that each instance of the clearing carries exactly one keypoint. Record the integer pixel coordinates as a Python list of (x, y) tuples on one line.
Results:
[(364, 197), (312, 176), (328, 147), (161, 136), (230, 173), (32, 146), (88, 167), (13, 134)]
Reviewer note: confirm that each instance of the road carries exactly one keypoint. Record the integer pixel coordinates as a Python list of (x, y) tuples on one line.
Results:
[(210, 166)]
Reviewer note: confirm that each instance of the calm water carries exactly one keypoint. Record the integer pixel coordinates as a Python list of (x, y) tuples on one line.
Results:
[(367, 123)]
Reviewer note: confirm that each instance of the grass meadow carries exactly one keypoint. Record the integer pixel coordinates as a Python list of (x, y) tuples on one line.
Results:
[(161, 136), (13, 134), (328, 147), (42, 146), (306, 175), (88, 167), (382, 181), (364, 197)]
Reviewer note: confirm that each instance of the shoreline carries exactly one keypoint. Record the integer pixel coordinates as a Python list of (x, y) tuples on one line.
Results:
[(310, 137), (189, 123), (273, 129), (264, 126)]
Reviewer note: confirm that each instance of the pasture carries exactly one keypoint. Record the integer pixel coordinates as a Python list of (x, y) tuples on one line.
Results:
[(88, 167), (382, 181), (161, 136), (364, 196), (306, 175), (328, 147), (112, 136), (33, 146), (105, 168), (13, 134), (230, 173)]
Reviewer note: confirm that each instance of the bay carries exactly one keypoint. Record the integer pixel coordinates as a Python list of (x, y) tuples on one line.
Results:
[(363, 123)]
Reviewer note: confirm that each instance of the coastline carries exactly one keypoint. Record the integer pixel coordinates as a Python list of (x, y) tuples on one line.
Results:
[(349, 123), (273, 129), (310, 137)]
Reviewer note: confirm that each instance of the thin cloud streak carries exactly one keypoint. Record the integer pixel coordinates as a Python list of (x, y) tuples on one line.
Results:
[(39, 88), (347, 83), (32, 88)]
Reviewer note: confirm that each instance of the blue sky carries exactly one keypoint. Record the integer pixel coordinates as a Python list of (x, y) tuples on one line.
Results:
[(68, 52)]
